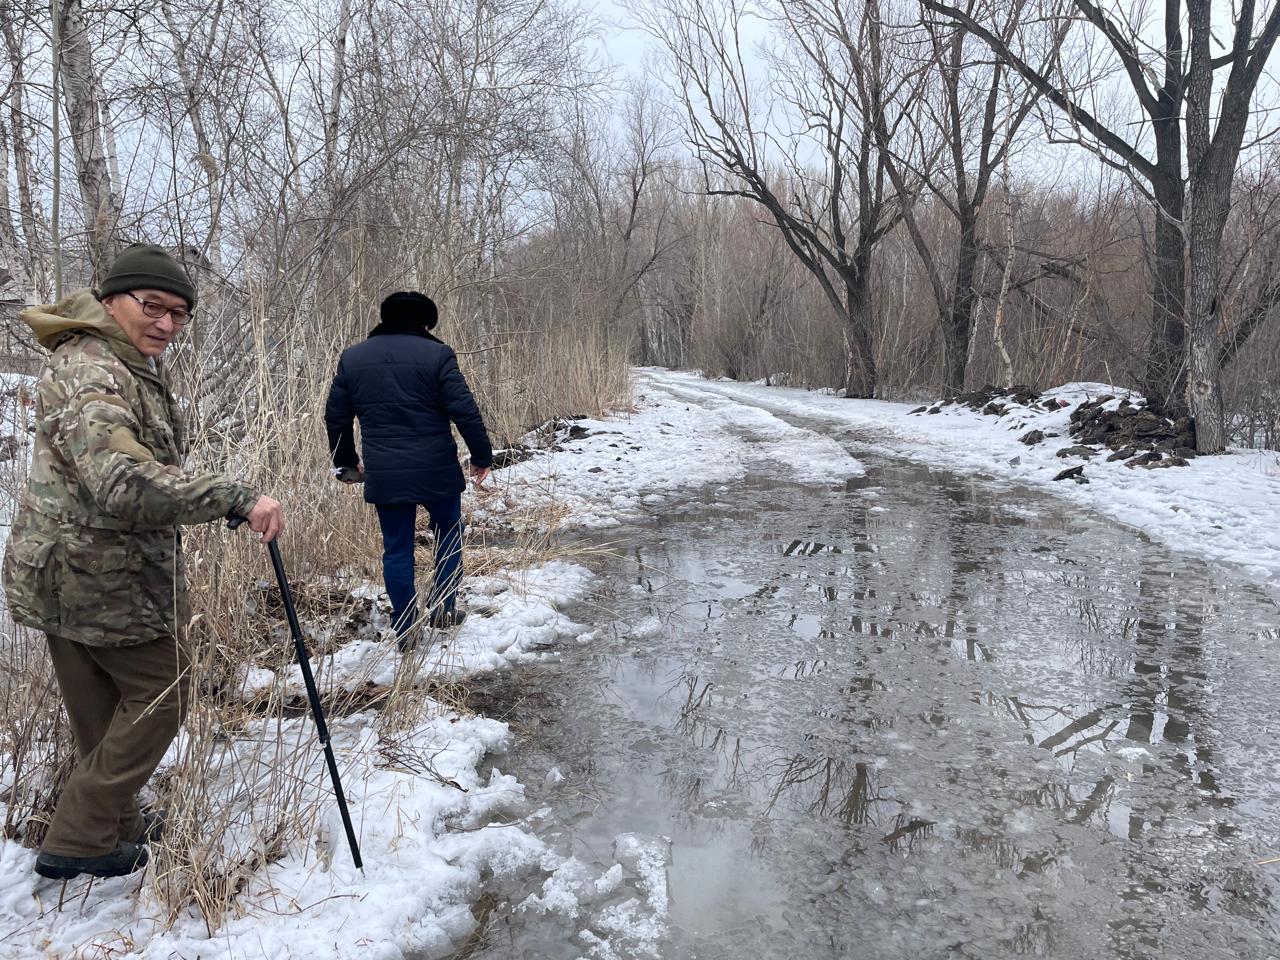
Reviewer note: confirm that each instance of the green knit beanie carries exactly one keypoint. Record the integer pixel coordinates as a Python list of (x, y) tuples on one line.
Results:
[(147, 266)]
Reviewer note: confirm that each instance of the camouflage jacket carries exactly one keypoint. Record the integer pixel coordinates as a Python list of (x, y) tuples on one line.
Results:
[(94, 554)]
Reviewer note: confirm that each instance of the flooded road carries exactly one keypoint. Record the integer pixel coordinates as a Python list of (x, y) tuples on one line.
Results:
[(917, 717)]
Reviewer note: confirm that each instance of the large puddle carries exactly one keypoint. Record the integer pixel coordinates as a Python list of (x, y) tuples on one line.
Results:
[(919, 717)]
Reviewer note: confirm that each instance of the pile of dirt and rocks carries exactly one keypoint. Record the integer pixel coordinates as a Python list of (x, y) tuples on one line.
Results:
[(993, 401), (1134, 434), (1140, 437), (548, 436)]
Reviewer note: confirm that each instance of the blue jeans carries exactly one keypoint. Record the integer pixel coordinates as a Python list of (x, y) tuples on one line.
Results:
[(397, 522)]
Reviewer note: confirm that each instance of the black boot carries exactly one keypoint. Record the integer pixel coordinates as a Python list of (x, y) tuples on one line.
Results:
[(447, 619), (124, 859)]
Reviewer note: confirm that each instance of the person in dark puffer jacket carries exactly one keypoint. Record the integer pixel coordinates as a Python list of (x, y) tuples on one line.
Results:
[(405, 388)]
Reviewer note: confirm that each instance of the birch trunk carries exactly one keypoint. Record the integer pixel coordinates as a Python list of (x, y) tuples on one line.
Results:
[(102, 213)]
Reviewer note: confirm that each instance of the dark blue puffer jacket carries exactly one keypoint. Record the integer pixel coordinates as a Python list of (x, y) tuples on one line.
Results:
[(406, 388)]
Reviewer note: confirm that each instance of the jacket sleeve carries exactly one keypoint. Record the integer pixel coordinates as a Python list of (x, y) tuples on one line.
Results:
[(100, 435), (339, 415), (463, 411)]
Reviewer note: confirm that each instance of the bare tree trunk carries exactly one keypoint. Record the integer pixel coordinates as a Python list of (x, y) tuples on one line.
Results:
[(862, 377), (1165, 375), (334, 111), (1204, 371), (957, 326), (997, 322), (55, 205), (1204, 235), (13, 268), (102, 211), (109, 139), (34, 229)]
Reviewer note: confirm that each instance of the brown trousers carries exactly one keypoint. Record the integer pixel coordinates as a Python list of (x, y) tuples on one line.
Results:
[(126, 705)]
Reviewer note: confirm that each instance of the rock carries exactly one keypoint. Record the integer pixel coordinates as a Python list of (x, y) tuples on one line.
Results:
[(1186, 453), (510, 457), (1077, 451), (1124, 453), (1167, 462), (1015, 461), (918, 410), (1075, 473), (577, 433), (595, 470), (934, 410), (1150, 457), (1024, 395), (994, 401), (1032, 438), (1147, 424)]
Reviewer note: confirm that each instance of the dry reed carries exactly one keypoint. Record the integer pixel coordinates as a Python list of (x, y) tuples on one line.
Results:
[(243, 784)]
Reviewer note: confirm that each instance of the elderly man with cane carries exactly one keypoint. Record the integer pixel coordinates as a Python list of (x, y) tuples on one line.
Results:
[(94, 559), (405, 388)]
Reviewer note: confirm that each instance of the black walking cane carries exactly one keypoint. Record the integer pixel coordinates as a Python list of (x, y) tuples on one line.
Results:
[(304, 663)]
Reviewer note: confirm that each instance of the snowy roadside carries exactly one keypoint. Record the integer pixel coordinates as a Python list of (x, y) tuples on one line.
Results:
[(1225, 508), (611, 472), (433, 831)]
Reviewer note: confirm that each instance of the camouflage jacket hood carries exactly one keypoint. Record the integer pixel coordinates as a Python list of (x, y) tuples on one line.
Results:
[(81, 312), (94, 555)]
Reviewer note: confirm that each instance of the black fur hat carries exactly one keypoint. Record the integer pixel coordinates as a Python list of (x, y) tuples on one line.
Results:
[(406, 308)]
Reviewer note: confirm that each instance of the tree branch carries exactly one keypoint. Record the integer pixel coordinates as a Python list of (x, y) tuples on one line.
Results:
[(1106, 136), (1125, 51)]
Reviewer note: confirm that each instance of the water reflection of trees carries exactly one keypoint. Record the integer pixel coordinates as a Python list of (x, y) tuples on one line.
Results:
[(825, 786), (942, 578)]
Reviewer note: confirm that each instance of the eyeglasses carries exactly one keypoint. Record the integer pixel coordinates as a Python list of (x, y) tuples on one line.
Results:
[(156, 310)]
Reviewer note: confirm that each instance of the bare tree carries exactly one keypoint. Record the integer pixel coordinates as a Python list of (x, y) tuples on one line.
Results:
[(1212, 159), (964, 130), (1160, 175), (1180, 370), (831, 219)]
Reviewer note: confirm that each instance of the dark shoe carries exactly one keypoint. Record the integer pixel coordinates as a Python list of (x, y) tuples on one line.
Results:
[(124, 859), (152, 827), (447, 619), (409, 642)]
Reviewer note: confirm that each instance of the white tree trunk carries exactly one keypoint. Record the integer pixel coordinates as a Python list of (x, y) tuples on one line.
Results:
[(102, 211)]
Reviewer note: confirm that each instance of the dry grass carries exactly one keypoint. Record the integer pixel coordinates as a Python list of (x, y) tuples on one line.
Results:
[(245, 783)]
